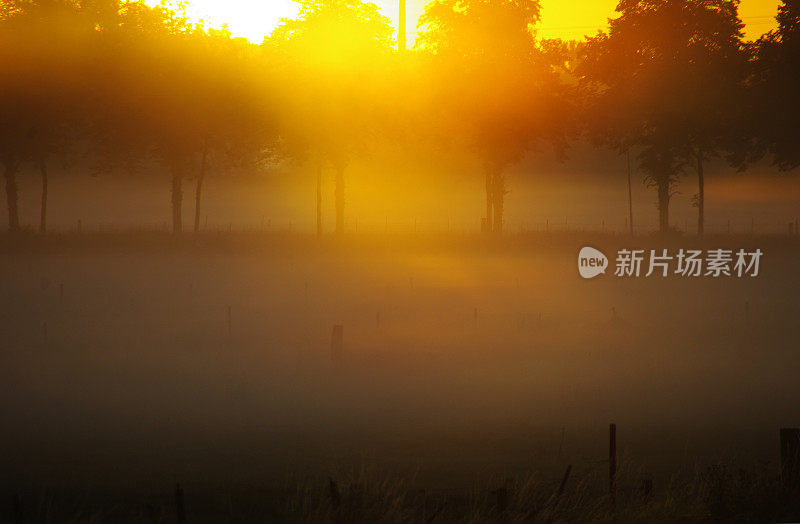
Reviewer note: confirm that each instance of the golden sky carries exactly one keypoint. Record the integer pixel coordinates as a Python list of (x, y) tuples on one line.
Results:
[(567, 19), (576, 18)]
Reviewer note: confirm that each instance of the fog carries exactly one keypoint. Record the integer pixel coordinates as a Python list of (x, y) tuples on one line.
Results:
[(327, 278), (587, 191), (462, 359)]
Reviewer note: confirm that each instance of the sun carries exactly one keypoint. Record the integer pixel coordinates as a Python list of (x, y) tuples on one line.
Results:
[(254, 19), (250, 19)]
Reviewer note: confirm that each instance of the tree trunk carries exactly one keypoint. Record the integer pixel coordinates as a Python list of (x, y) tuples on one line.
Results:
[(630, 192), (11, 196), (339, 200), (177, 202), (701, 197), (487, 225), (499, 195), (319, 200), (43, 212), (663, 207), (198, 191)]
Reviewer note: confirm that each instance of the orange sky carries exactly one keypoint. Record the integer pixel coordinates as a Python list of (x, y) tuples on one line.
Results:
[(560, 18), (576, 18)]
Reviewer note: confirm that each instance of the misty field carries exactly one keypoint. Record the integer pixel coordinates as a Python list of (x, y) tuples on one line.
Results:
[(131, 362)]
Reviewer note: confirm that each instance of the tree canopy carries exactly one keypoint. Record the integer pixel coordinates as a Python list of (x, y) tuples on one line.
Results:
[(666, 77), (121, 84), (500, 96)]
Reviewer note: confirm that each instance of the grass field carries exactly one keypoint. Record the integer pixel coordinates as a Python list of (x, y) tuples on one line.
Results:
[(132, 362)]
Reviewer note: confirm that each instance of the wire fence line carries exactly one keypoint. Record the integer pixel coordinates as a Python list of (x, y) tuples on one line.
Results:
[(737, 226)]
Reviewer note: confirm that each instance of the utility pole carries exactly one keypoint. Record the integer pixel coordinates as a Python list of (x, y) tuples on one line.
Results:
[(401, 27)]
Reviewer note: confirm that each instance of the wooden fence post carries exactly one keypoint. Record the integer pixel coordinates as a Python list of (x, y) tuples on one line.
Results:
[(16, 509), (612, 462), (180, 507), (790, 457)]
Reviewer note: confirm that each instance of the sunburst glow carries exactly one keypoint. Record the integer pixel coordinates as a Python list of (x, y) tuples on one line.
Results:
[(254, 19)]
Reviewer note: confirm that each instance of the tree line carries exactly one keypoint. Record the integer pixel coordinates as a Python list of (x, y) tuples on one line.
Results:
[(111, 85)]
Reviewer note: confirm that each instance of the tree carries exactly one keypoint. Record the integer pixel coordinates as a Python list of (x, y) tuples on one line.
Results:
[(209, 109), (42, 92), (498, 88), (775, 86), (127, 78), (189, 98), (666, 78), (333, 58), (661, 165), (13, 142)]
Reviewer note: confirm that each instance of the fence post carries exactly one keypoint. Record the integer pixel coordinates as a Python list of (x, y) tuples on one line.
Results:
[(180, 507), (790, 457), (612, 462), (16, 509)]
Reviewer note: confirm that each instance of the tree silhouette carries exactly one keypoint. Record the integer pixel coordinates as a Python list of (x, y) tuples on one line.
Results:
[(661, 165), (775, 110), (43, 101), (210, 110), (190, 98), (497, 88), (666, 77), (124, 84), (135, 104), (333, 58)]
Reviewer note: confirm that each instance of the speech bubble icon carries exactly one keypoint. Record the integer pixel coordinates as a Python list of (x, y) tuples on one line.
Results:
[(591, 262)]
